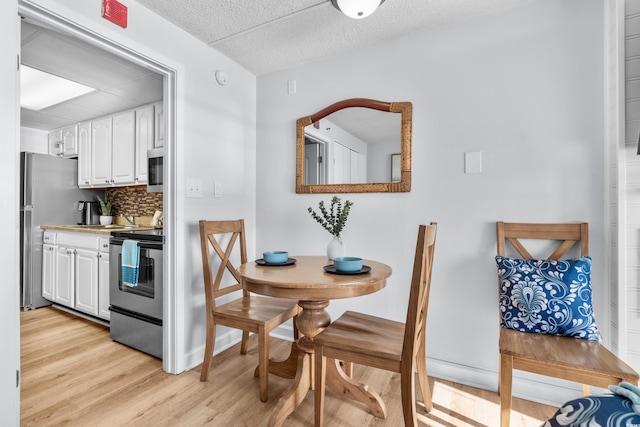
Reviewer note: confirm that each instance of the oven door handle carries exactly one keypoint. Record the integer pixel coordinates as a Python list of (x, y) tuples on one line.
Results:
[(143, 245)]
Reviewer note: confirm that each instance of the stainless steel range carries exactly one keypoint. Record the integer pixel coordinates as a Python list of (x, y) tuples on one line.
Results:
[(136, 311)]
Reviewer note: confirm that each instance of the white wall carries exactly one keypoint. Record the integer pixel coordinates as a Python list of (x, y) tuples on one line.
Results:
[(9, 216), (34, 140), (215, 141), (524, 87), (629, 298)]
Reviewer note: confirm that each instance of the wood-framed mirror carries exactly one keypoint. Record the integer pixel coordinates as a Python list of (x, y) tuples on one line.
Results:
[(357, 145)]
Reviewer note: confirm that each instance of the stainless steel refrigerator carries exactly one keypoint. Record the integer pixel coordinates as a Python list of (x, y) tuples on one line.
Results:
[(49, 195)]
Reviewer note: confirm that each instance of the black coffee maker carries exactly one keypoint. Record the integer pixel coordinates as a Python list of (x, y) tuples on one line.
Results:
[(90, 212)]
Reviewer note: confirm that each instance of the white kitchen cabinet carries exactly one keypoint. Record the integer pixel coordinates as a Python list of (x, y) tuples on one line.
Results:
[(144, 141), (86, 279), (48, 270), (76, 272), (103, 279), (113, 150), (123, 152), (158, 121), (70, 141), (84, 154), (64, 283), (55, 142), (101, 152), (64, 142)]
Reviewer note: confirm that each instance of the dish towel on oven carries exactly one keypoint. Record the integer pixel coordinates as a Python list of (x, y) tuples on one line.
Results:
[(130, 262)]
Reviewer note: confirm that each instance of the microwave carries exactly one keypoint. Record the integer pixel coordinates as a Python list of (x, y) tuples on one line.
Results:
[(155, 170)]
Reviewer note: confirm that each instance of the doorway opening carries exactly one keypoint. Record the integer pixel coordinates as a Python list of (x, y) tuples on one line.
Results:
[(43, 18)]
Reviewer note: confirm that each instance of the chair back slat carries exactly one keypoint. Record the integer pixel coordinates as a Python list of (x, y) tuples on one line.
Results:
[(524, 253), (415, 324), (566, 235), (212, 235)]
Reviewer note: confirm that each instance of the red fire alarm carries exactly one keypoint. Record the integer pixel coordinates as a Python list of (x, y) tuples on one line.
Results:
[(114, 11)]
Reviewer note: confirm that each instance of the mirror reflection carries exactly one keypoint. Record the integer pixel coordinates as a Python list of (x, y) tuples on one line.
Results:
[(358, 142), (355, 145)]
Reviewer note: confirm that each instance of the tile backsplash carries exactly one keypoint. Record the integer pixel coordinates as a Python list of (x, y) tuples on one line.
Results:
[(134, 201)]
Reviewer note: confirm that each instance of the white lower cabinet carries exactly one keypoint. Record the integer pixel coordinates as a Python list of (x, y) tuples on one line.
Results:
[(87, 281), (48, 270), (76, 272), (64, 284)]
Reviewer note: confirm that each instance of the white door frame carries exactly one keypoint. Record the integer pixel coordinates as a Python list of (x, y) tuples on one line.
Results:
[(170, 318)]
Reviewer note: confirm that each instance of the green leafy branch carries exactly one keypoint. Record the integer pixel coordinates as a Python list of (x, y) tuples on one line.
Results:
[(335, 219)]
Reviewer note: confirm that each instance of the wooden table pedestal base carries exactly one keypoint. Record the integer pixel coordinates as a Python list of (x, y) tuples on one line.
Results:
[(311, 321)]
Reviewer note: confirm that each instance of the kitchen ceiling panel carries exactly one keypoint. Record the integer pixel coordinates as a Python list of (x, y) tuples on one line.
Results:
[(146, 90), (121, 84), (43, 121), (54, 54), (74, 112), (105, 102)]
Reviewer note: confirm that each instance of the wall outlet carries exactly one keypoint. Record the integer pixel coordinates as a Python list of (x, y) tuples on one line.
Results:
[(194, 187)]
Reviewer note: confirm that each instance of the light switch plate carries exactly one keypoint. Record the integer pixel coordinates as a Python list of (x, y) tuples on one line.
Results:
[(194, 187), (217, 190), (291, 87), (473, 162)]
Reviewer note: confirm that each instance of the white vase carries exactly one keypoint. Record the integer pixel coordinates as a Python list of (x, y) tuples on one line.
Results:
[(106, 220), (336, 248)]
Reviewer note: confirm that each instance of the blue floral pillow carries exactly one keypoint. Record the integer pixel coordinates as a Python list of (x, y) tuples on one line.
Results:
[(548, 297)]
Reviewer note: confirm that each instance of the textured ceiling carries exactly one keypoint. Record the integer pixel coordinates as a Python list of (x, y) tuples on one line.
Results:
[(261, 35), (268, 35)]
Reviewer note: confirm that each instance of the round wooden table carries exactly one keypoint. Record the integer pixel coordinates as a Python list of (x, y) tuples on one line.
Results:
[(313, 287)]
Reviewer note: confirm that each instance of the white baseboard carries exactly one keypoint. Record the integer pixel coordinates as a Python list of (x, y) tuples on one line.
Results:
[(537, 388)]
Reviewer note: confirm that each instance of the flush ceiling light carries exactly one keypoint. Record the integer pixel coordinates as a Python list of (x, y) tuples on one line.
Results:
[(357, 9), (39, 90)]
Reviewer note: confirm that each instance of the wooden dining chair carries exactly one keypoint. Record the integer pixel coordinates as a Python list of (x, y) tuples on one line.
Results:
[(249, 313), (574, 359), (382, 343)]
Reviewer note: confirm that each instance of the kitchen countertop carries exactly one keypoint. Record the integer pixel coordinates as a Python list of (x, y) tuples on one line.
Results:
[(97, 229)]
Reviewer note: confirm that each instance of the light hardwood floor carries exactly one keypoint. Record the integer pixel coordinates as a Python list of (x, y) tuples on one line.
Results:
[(74, 375)]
